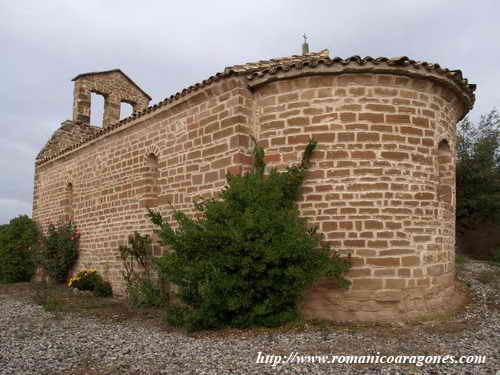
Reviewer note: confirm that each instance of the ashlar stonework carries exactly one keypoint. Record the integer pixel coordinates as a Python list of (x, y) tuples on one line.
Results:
[(381, 186)]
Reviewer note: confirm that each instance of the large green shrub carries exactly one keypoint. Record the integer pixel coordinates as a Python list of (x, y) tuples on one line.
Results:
[(59, 250), (249, 257), (18, 240)]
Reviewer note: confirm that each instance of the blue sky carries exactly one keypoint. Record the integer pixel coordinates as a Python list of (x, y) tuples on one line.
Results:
[(166, 46)]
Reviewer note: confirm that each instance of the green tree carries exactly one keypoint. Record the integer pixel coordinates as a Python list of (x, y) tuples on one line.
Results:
[(18, 241), (248, 258), (59, 251), (478, 171)]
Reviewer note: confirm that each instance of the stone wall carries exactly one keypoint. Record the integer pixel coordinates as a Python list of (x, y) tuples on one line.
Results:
[(381, 187), (375, 183), (115, 87), (195, 141), (68, 134)]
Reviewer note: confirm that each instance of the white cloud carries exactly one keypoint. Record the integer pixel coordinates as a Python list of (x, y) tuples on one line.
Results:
[(11, 208), (167, 46)]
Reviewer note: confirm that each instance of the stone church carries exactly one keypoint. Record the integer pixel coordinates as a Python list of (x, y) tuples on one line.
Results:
[(381, 186)]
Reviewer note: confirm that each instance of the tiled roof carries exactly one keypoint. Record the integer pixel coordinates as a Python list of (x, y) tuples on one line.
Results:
[(403, 61), (261, 69), (68, 134), (266, 64), (112, 71)]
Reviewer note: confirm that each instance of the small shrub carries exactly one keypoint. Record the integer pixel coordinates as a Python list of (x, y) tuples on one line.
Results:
[(460, 259), (40, 292), (144, 293), (248, 257), (59, 250), (176, 316), (52, 304), (495, 260), (18, 241), (142, 289), (355, 330), (139, 252), (481, 241), (90, 280), (84, 280), (46, 296), (103, 289), (487, 277)]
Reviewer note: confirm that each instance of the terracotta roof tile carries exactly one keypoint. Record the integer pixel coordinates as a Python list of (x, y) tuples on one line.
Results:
[(395, 61), (263, 68), (264, 64)]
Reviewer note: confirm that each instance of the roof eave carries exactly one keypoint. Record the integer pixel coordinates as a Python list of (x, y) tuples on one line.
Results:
[(113, 71)]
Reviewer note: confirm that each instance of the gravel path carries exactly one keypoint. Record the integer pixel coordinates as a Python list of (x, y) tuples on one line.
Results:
[(33, 341)]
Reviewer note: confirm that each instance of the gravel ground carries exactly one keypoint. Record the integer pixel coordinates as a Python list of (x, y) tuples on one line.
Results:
[(34, 341)]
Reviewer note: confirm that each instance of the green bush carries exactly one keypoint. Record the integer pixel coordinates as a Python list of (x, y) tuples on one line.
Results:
[(59, 250), (478, 185), (478, 171), (460, 259), (90, 280), (103, 289), (496, 257), (145, 293), (248, 258), (18, 241), (142, 289)]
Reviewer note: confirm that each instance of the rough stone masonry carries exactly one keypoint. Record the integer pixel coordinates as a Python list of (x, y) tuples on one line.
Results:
[(381, 186)]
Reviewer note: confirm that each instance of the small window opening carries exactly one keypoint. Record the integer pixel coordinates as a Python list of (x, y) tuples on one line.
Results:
[(126, 109), (444, 147), (96, 109)]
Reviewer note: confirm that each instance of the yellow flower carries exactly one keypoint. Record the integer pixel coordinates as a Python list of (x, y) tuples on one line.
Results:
[(71, 280)]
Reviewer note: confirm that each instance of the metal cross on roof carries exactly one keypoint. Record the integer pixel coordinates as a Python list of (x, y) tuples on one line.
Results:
[(305, 46)]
